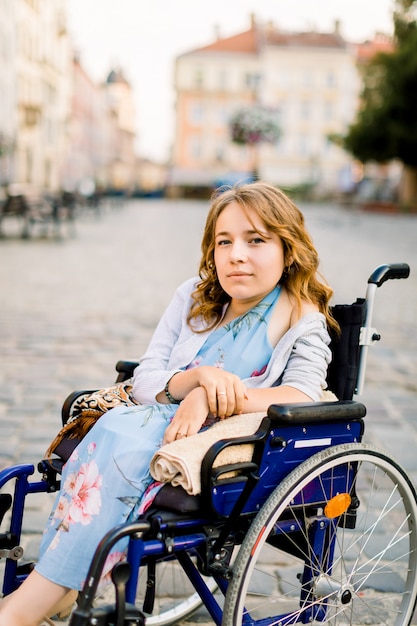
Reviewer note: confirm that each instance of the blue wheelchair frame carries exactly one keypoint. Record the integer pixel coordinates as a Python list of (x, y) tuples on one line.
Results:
[(284, 440), (203, 540)]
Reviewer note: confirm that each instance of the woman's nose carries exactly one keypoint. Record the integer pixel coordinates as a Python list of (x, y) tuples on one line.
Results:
[(238, 251)]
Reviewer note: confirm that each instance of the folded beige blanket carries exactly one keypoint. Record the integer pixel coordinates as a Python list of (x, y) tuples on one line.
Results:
[(179, 462)]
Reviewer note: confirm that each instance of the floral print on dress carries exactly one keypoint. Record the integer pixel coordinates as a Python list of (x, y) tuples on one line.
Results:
[(255, 315), (112, 559), (79, 501), (219, 363), (259, 372), (242, 346), (147, 412)]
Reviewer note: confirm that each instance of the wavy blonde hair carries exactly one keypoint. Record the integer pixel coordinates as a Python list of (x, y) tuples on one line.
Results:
[(281, 216)]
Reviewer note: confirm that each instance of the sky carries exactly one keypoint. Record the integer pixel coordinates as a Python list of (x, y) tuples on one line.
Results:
[(143, 37)]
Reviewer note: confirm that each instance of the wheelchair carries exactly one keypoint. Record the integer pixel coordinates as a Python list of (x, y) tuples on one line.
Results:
[(318, 527)]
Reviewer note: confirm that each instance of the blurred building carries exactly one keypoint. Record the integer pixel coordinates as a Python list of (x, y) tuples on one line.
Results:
[(35, 90), (80, 167), (121, 110), (8, 112), (100, 154), (150, 178), (210, 84), (310, 78), (59, 130)]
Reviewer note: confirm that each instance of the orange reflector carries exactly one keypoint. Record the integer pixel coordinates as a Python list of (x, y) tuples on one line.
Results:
[(337, 505)]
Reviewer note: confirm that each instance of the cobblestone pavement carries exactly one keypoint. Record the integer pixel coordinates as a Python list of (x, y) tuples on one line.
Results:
[(71, 307)]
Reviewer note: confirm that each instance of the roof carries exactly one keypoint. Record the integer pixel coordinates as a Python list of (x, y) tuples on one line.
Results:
[(246, 42), (367, 50), (311, 39), (242, 42), (251, 41), (116, 76)]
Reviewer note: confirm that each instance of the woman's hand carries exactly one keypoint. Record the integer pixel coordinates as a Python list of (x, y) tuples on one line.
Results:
[(190, 416), (226, 393)]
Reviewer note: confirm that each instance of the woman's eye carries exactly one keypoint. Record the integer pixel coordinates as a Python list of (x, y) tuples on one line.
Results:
[(223, 242), (257, 240)]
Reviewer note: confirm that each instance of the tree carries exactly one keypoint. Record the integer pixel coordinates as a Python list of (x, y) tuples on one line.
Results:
[(386, 126), (253, 125)]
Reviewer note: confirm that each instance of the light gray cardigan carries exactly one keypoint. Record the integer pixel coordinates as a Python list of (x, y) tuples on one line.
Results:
[(299, 360)]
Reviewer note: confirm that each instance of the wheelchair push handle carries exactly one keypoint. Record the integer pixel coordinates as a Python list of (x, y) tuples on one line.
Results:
[(368, 334), (388, 272)]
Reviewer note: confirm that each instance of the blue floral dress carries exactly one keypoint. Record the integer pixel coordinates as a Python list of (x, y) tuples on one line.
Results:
[(106, 481)]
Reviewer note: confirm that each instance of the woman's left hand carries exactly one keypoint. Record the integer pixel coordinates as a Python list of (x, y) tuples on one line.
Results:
[(190, 416)]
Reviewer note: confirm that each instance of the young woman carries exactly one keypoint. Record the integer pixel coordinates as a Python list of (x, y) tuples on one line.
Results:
[(250, 331)]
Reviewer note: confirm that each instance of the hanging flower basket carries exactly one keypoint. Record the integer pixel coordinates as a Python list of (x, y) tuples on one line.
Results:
[(255, 124)]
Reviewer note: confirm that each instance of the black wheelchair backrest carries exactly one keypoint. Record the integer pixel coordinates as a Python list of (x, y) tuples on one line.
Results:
[(346, 373), (343, 370)]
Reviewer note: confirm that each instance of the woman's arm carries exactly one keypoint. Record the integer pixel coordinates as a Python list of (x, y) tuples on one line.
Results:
[(225, 391), (261, 399), (296, 373), (194, 409), (154, 366)]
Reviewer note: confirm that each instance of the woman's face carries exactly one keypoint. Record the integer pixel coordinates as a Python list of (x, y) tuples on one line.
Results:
[(249, 259)]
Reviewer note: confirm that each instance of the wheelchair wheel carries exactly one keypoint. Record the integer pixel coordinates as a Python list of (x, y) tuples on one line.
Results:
[(335, 543), (175, 597)]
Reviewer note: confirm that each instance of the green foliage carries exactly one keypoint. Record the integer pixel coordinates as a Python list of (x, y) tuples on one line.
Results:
[(386, 126)]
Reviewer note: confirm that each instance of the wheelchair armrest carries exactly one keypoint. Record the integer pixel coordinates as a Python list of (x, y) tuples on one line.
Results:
[(69, 401), (125, 370), (284, 414), (209, 475), (278, 415), (322, 412)]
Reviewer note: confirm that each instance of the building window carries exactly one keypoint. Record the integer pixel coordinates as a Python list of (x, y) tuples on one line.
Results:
[(303, 145), (284, 78), (282, 112), (328, 111), (222, 80), (330, 79), (49, 93), (195, 148), (221, 115), (49, 131), (220, 153), (327, 146), (198, 77), (29, 165), (280, 147), (307, 78), (196, 113), (252, 80), (47, 181), (305, 110)]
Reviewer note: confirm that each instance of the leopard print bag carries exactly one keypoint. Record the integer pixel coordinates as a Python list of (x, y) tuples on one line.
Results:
[(85, 411)]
